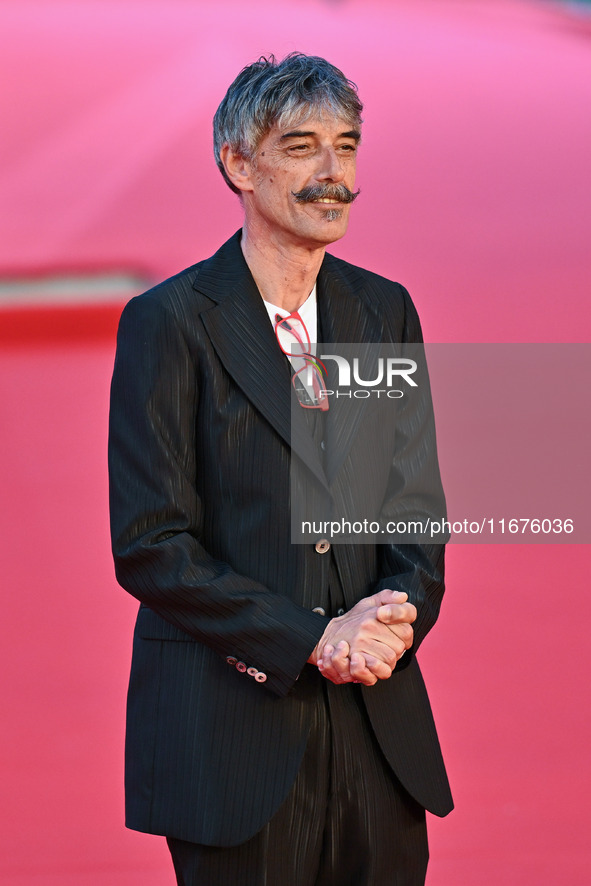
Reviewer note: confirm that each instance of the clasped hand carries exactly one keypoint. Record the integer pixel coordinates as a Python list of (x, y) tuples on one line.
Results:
[(364, 644)]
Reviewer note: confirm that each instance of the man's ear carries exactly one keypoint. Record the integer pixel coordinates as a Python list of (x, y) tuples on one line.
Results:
[(238, 168)]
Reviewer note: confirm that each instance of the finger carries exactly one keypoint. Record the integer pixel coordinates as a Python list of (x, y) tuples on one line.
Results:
[(387, 647), (327, 651), (360, 672), (389, 596), (404, 632), (325, 655), (334, 663), (340, 661), (394, 613), (379, 668), (394, 647), (328, 671), (381, 598)]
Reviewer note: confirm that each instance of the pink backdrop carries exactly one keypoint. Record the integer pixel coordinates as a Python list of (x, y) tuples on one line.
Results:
[(474, 174)]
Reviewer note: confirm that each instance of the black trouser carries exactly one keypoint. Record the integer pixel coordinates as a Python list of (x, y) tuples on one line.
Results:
[(346, 822)]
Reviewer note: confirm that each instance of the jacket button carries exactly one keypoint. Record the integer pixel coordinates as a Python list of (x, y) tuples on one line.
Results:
[(340, 611), (231, 659), (252, 672), (322, 546), (240, 666), (260, 677), (319, 610)]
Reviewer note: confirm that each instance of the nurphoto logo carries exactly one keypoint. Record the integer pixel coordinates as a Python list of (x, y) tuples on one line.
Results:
[(388, 371)]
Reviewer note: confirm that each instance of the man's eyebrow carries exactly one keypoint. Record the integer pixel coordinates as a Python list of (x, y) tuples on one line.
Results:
[(297, 133), (300, 133)]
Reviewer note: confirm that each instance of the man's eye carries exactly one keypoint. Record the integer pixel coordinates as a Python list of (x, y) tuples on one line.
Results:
[(298, 148)]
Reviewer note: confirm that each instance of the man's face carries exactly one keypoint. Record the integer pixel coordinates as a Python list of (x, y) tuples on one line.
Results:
[(301, 178)]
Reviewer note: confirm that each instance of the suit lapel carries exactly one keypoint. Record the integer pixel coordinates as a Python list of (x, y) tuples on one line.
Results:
[(239, 328), (345, 319)]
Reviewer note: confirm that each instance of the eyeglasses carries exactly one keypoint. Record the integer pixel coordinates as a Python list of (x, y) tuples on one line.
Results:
[(308, 378)]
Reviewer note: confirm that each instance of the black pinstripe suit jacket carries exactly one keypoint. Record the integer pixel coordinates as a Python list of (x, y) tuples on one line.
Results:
[(200, 446)]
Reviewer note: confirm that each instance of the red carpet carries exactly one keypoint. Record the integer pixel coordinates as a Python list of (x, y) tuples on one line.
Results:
[(474, 172)]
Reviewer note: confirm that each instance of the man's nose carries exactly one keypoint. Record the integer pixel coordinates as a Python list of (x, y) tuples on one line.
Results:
[(330, 167)]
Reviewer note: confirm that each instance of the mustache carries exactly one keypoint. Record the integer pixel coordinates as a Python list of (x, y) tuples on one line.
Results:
[(331, 192)]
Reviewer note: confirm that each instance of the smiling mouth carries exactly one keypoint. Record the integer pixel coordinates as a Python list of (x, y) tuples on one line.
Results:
[(327, 194)]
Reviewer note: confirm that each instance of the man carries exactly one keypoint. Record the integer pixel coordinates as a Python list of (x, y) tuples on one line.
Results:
[(279, 731)]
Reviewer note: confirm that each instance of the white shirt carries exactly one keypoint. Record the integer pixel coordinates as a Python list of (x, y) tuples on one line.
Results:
[(308, 313)]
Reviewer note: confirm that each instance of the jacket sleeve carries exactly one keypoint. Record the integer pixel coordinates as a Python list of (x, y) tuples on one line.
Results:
[(157, 516), (415, 490)]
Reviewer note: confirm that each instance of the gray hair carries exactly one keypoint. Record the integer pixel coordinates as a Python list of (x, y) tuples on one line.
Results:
[(269, 92)]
